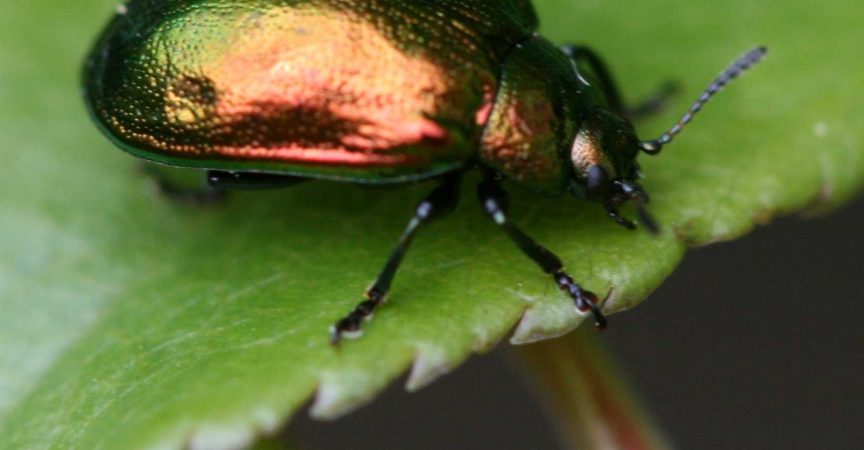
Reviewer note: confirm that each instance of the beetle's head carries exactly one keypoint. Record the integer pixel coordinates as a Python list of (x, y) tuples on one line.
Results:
[(605, 149), (604, 162)]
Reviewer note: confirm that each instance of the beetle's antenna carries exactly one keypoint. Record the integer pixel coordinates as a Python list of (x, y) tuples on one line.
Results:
[(737, 68)]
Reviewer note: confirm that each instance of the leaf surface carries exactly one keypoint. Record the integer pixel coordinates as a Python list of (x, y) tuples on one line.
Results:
[(128, 321)]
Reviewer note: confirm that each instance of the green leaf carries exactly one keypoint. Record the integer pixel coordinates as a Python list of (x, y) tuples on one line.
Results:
[(127, 321)]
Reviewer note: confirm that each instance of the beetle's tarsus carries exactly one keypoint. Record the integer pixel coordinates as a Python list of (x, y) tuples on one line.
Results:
[(353, 321), (586, 301)]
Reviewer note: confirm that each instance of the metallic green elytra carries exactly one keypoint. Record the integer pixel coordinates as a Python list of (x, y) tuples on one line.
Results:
[(261, 93)]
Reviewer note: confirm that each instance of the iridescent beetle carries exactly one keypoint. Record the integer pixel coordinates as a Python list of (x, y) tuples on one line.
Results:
[(261, 93)]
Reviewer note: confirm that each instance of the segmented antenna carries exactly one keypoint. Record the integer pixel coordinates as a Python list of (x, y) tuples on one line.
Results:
[(737, 68)]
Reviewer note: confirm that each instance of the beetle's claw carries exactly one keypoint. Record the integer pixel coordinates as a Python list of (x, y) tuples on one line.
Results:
[(349, 326), (590, 303), (585, 301)]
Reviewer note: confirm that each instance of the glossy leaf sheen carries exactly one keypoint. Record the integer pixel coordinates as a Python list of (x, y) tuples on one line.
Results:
[(132, 322)]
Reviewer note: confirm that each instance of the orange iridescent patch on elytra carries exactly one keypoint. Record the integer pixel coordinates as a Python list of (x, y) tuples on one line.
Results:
[(304, 86)]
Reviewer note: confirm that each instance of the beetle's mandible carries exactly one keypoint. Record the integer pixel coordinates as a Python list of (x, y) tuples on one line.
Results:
[(261, 93)]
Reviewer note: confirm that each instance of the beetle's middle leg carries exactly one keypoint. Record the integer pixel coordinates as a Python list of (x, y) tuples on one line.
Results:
[(495, 202), (651, 105), (442, 200)]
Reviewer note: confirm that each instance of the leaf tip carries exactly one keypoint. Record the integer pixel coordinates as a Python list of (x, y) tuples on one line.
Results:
[(542, 321), (430, 363), (340, 394), (535, 324)]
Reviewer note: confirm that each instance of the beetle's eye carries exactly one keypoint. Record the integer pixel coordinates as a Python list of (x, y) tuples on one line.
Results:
[(597, 181)]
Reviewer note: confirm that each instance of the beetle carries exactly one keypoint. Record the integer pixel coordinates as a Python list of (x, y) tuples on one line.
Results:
[(383, 92)]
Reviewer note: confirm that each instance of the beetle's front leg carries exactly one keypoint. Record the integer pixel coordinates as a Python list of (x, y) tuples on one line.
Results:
[(495, 202), (439, 202)]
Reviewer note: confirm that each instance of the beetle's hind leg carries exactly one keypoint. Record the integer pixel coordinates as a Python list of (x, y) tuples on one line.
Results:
[(442, 200), (239, 181), (649, 106), (181, 190), (495, 202), (217, 183)]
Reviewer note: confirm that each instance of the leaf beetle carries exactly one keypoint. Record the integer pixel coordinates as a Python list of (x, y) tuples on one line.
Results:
[(263, 93)]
